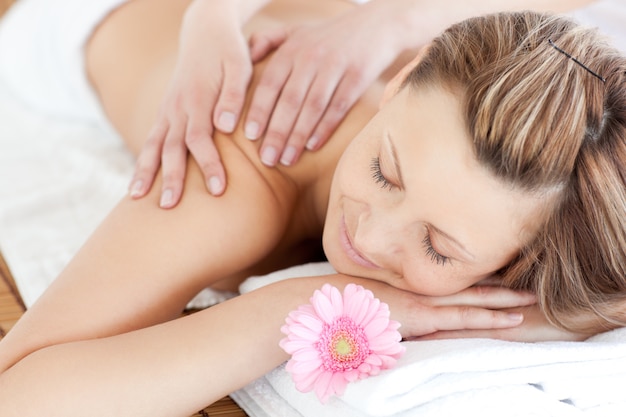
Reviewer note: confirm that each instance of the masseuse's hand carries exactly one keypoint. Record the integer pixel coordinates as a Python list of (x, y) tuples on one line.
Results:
[(315, 76), (207, 89)]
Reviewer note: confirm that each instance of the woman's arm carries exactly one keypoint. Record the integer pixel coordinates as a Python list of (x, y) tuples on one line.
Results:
[(178, 367), (143, 264)]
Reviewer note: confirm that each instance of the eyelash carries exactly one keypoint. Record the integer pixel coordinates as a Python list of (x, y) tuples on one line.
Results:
[(378, 176), (435, 256)]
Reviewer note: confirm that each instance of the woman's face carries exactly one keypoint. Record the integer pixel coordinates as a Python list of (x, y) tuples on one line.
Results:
[(411, 206)]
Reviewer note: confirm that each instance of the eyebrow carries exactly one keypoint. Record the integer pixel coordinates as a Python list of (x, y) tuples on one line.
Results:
[(394, 157), (451, 239)]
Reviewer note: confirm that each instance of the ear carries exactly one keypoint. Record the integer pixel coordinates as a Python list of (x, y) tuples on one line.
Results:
[(394, 84)]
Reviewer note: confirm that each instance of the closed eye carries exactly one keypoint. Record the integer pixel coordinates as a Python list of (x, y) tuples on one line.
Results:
[(431, 252), (378, 176)]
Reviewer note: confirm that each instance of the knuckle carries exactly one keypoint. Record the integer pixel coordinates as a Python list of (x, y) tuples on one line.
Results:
[(171, 145), (194, 137), (270, 82), (210, 167), (317, 104), (291, 99), (341, 105), (482, 290), (276, 137), (173, 176), (298, 139), (466, 313), (233, 95)]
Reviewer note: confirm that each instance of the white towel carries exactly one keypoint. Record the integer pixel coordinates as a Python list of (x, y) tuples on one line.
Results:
[(462, 377)]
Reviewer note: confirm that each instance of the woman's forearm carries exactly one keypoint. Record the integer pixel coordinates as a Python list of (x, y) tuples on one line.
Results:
[(172, 369)]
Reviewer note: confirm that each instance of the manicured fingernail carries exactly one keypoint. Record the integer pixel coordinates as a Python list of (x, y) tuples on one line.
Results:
[(268, 157), (312, 142), (288, 156), (215, 186), (252, 130), (227, 122), (136, 189), (515, 316), (166, 198)]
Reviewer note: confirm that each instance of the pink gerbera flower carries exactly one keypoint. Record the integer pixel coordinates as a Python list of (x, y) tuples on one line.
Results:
[(336, 340)]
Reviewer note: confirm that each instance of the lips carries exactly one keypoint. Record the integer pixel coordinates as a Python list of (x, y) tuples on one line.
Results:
[(353, 254)]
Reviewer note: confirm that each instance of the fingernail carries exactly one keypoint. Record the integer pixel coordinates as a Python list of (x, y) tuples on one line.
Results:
[(288, 156), (166, 198), (215, 185), (515, 316), (136, 189), (268, 157), (312, 142), (227, 122), (252, 130)]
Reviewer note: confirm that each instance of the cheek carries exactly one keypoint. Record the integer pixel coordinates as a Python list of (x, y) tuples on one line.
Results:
[(436, 280)]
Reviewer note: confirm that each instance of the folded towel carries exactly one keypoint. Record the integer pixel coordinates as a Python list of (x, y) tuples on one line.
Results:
[(461, 376)]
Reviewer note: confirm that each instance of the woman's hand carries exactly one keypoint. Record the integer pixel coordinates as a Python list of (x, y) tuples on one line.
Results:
[(479, 308), (207, 89), (534, 328), (315, 76)]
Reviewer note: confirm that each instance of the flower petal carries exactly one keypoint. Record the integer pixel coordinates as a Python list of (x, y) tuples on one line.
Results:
[(376, 327), (306, 382), (322, 387), (306, 355), (338, 383), (311, 322), (323, 307), (304, 332), (372, 310)]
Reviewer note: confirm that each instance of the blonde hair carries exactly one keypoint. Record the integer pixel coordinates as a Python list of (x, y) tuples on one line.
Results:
[(541, 118)]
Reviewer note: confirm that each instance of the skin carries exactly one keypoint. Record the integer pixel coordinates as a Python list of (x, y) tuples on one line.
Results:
[(113, 313)]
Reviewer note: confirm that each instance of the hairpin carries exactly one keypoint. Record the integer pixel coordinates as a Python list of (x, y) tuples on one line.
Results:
[(595, 74)]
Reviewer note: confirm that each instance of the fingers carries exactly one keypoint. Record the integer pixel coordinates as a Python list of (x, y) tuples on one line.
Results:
[(347, 93), (265, 96), (174, 162), (232, 96), (148, 161), (201, 146), (297, 112), (285, 113), (167, 147), (451, 319), (305, 113), (486, 297)]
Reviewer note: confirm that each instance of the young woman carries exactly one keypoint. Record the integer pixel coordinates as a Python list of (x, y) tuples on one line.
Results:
[(492, 152)]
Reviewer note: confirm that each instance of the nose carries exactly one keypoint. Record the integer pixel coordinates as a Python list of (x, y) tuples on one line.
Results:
[(378, 238)]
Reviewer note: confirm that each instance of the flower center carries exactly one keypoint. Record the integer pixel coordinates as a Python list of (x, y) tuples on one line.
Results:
[(342, 345)]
